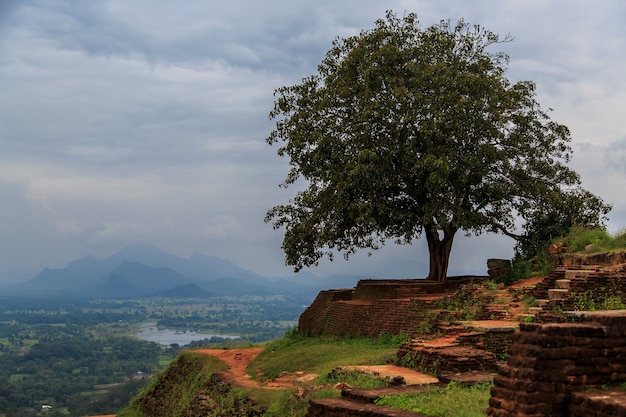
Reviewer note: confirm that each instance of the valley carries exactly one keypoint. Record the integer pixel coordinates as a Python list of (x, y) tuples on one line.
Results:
[(86, 356)]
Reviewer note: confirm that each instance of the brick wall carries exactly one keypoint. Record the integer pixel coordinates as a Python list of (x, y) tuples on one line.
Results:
[(314, 319), (549, 362), (367, 318), (375, 307)]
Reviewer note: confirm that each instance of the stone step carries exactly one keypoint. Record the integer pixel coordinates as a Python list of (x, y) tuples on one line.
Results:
[(372, 394), (577, 273), (558, 294), (563, 284), (542, 302), (524, 317), (535, 310)]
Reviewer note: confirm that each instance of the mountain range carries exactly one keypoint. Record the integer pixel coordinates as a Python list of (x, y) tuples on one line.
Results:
[(146, 271)]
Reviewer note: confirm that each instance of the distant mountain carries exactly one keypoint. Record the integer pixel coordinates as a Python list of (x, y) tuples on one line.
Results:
[(115, 286), (185, 291), (198, 266), (142, 271), (134, 279)]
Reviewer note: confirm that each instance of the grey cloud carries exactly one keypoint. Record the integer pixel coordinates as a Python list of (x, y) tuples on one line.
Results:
[(89, 27), (238, 37), (615, 155), (145, 121)]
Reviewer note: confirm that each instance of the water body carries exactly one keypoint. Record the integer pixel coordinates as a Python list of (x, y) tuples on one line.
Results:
[(166, 337)]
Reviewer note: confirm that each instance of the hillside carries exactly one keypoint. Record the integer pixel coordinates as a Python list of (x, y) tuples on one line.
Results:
[(192, 386)]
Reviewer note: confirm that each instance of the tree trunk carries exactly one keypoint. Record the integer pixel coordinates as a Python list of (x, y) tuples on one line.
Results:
[(439, 249)]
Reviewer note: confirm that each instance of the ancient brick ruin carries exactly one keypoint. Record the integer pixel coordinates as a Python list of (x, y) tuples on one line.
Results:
[(376, 306), (561, 362), (551, 368)]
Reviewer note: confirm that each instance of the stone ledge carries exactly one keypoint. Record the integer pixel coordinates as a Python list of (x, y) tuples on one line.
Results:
[(341, 407), (371, 395), (606, 403)]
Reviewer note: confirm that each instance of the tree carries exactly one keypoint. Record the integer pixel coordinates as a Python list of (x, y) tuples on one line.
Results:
[(554, 216), (406, 132)]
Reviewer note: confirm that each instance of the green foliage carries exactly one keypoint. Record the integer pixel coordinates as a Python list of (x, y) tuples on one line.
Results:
[(619, 240), (56, 351), (427, 323), (575, 238), (287, 404), (469, 303), (585, 301), (66, 363), (407, 131), (537, 266), (385, 339), (604, 299), (579, 238), (452, 401), (613, 302), (555, 215)]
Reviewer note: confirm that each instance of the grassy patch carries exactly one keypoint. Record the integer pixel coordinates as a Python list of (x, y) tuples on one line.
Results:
[(354, 378), (452, 401), (602, 299), (295, 402), (318, 355), (579, 238), (467, 301)]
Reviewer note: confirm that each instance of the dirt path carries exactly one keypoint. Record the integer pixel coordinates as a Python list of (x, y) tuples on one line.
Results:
[(239, 359)]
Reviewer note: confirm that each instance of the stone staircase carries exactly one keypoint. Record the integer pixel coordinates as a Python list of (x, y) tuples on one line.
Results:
[(465, 347), (565, 286)]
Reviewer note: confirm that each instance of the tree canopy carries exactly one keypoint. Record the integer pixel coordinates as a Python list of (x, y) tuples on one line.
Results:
[(405, 132)]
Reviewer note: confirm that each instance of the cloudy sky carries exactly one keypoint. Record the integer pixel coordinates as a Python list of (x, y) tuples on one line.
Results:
[(144, 121)]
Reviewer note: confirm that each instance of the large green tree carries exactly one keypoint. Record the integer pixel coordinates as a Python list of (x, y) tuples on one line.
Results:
[(406, 132)]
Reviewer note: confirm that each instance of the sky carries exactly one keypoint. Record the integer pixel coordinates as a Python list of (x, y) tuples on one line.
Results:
[(144, 121)]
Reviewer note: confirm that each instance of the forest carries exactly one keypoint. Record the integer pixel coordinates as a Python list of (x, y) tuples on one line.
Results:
[(81, 357)]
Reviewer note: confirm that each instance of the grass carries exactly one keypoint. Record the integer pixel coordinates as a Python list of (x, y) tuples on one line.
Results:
[(322, 356), (579, 238), (469, 303), (173, 392), (319, 355), (602, 299), (452, 401)]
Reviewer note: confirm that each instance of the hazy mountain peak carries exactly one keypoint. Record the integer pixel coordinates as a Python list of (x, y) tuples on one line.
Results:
[(142, 270), (88, 260)]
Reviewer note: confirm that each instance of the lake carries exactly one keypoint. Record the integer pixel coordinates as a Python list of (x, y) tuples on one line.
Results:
[(166, 337)]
